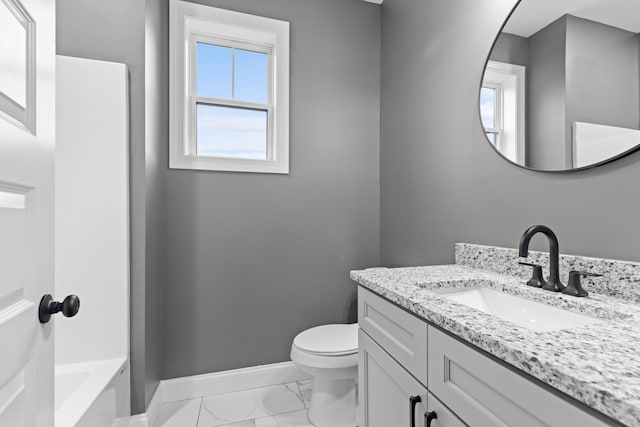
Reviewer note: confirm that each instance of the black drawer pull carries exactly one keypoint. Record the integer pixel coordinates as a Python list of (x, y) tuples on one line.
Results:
[(428, 417), (413, 401)]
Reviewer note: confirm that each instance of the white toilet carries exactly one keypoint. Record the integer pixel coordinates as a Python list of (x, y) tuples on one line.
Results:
[(330, 354)]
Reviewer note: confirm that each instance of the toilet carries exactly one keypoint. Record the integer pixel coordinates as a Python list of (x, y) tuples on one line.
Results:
[(329, 353)]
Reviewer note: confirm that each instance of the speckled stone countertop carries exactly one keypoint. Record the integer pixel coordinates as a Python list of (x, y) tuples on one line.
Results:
[(598, 365)]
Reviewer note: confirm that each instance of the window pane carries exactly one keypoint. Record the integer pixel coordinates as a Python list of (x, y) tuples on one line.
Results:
[(492, 137), (488, 107), (214, 71), (231, 132), (251, 72)]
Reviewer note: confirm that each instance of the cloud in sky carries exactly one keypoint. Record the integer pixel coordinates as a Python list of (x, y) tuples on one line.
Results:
[(231, 132), (226, 118)]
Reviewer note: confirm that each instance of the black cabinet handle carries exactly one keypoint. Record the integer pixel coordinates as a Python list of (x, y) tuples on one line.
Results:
[(428, 417), (69, 307), (413, 401)]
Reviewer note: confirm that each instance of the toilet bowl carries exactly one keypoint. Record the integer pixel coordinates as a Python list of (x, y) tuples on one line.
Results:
[(329, 353)]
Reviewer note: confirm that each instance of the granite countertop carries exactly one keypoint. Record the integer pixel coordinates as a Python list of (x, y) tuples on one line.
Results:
[(598, 365)]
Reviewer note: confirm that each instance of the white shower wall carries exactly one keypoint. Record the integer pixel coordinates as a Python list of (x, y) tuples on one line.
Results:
[(92, 209)]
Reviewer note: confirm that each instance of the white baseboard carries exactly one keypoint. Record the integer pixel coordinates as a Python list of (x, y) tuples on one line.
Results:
[(211, 384), (148, 419), (153, 409), (230, 381), (140, 420)]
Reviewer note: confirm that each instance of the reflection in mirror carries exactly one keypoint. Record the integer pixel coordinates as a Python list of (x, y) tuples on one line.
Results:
[(561, 89)]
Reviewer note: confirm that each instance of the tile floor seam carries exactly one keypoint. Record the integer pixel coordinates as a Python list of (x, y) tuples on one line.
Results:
[(273, 415), (295, 414), (301, 395), (199, 411), (181, 400)]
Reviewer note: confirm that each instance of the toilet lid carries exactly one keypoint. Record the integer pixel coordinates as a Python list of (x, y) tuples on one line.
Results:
[(328, 340)]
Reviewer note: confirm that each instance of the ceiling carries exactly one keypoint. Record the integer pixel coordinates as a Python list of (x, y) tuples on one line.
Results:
[(533, 15)]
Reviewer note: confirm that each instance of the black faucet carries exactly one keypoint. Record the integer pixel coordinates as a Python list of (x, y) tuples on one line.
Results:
[(553, 284)]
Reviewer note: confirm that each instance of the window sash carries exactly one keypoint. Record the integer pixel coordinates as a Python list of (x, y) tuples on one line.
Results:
[(194, 99), (195, 38), (193, 125), (496, 134)]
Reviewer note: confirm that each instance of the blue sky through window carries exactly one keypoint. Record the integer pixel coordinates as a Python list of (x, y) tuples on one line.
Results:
[(251, 76), (214, 71), (231, 132), (227, 131), (488, 107)]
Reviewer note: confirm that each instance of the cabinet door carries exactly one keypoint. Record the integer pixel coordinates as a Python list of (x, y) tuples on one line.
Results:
[(385, 389), (484, 393), (442, 416)]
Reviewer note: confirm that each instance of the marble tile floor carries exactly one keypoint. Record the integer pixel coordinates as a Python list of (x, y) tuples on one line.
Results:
[(283, 405)]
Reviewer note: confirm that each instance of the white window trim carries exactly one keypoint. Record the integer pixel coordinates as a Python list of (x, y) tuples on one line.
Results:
[(519, 72), (190, 22)]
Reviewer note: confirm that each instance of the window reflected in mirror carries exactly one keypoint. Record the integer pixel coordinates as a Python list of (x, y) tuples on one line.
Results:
[(561, 88)]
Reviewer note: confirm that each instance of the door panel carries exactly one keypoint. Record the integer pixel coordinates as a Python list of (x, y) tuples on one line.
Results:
[(27, 113)]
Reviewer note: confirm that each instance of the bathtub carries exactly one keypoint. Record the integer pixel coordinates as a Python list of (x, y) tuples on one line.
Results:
[(91, 394), (92, 160)]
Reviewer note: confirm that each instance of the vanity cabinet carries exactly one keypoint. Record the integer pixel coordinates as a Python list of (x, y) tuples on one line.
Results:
[(402, 356), (390, 396)]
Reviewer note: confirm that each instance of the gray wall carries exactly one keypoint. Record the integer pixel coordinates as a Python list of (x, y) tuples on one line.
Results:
[(442, 183), (115, 31), (602, 74), (546, 108), (253, 259), (156, 158), (511, 49)]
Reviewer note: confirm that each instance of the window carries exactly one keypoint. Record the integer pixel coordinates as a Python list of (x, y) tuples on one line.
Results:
[(491, 110), (502, 108), (229, 90)]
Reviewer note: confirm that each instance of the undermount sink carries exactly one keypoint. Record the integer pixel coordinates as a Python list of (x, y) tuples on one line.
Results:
[(521, 311)]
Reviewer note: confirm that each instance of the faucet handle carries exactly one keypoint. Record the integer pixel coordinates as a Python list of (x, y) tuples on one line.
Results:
[(574, 287), (536, 280)]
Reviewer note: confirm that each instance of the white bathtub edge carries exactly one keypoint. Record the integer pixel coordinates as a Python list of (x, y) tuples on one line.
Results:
[(100, 375)]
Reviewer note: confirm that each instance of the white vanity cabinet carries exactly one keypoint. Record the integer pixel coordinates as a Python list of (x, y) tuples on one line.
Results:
[(402, 356), (392, 370), (390, 396)]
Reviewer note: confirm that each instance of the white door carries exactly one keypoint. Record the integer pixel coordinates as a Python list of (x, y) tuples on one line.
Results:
[(27, 120)]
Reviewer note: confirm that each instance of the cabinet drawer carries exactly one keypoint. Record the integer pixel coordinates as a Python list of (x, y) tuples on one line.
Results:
[(484, 393), (401, 334)]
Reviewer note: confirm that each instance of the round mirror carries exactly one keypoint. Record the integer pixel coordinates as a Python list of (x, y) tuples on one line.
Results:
[(561, 88)]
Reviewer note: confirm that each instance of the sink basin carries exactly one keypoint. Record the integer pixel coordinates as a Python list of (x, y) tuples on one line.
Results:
[(521, 311)]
